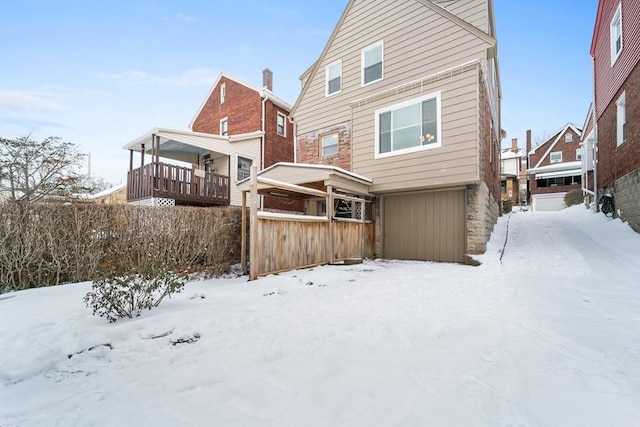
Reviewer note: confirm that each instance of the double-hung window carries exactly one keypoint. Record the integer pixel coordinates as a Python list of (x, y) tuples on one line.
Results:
[(556, 157), (244, 168), (281, 128), (578, 153), (621, 119), (329, 144), (333, 77), (615, 32), (224, 126), (223, 92), (410, 126), (372, 63)]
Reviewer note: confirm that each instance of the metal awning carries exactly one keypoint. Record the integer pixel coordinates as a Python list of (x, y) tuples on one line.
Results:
[(559, 174)]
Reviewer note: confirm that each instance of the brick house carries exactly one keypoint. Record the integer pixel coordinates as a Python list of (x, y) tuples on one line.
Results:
[(615, 49), (555, 168), (416, 111), (236, 125)]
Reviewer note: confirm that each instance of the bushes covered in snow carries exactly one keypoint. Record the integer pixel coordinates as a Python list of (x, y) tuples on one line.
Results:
[(116, 295)]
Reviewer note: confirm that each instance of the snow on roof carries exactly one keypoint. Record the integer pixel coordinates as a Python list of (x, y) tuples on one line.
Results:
[(109, 191)]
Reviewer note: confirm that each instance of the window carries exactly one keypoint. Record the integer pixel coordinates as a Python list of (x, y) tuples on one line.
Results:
[(503, 187), (280, 125), (621, 119), (329, 144), (556, 157), (244, 168), (615, 31), (568, 137), (410, 126), (223, 92), (223, 126), (372, 63), (579, 154), (333, 78)]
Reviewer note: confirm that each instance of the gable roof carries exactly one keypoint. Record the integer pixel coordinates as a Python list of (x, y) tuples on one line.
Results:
[(263, 92), (553, 140), (310, 72), (596, 27)]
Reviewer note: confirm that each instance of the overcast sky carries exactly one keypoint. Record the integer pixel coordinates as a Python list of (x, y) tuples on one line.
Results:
[(100, 74)]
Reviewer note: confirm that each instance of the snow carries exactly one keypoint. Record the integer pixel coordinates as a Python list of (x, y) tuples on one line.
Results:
[(547, 336)]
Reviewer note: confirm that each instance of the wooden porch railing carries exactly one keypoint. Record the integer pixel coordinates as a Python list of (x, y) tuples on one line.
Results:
[(178, 183)]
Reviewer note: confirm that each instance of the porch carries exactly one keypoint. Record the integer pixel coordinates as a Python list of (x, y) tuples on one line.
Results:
[(186, 186), (206, 182)]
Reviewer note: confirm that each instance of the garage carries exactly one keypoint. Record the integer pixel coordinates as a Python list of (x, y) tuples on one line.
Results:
[(548, 202), (427, 226)]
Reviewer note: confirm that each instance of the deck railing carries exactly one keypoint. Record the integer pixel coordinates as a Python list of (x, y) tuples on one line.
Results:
[(184, 185)]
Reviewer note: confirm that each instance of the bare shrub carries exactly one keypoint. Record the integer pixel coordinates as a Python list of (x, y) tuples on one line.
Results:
[(116, 295), (44, 244)]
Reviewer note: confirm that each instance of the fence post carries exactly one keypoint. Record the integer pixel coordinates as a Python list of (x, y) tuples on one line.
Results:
[(253, 265)]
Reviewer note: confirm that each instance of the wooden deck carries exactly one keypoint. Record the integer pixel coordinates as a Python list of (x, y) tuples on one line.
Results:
[(184, 185)]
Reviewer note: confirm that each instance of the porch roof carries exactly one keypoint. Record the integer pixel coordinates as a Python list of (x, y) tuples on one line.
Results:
[(187, 142), (312, 176)]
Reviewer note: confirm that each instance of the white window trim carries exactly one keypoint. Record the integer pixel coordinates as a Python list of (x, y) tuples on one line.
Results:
[(337, 135), (621, 118), (616, 16), (438, 97), (362, 52), (223, 120), (326, 78), (578, 154), (223, 92), (568, 137), (284, 124), (238, 167), (551, 157)]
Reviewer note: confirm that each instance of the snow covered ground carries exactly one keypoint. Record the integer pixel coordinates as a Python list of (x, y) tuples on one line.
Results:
[(547, 336)]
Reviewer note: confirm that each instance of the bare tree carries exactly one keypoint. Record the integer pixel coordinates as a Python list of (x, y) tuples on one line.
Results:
[(32, 170)]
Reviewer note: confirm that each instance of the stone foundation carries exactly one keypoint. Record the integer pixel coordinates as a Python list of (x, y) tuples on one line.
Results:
[(626, 191), (482, 214)]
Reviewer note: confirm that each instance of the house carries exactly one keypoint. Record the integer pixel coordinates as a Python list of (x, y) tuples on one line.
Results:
[(407, 94), (237, 125), (510, 170), (555, 168), (615, 49), (111, 196)]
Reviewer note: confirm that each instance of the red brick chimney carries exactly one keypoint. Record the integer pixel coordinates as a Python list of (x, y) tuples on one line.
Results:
[(267, 79), (528, 142), (514, 145)]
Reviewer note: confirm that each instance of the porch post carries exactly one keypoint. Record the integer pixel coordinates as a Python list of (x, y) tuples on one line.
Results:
[(142, 187), (243, 237), (330, 214), (253, 237), (130, 160)]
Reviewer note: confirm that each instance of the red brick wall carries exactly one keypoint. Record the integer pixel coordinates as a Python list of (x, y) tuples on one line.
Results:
[(309, 150), (277, 148), (616, 161), (489, 146), (242, 106)]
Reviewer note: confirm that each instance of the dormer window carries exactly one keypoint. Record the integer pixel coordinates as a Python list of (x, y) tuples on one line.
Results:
[(568, 138), (615, 30), (372, 63)]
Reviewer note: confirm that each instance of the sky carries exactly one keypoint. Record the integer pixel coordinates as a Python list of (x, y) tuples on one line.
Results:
[(382, 343), (100, 74)]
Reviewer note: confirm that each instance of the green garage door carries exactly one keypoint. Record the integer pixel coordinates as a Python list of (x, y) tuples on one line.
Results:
[(426, 226)]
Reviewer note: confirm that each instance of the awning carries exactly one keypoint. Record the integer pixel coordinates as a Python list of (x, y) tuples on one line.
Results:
[(559, 174)]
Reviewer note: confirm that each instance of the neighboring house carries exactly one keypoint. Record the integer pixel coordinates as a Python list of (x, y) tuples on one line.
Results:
[(407, 94), (510, 168), (111, 196), (555, 168), (615, 49), (236, 126)]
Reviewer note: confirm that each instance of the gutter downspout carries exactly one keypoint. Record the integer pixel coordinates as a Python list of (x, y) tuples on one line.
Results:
[(263, 127)]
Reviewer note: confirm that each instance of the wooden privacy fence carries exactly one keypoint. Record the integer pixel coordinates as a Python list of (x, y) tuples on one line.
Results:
[(281, 242)]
